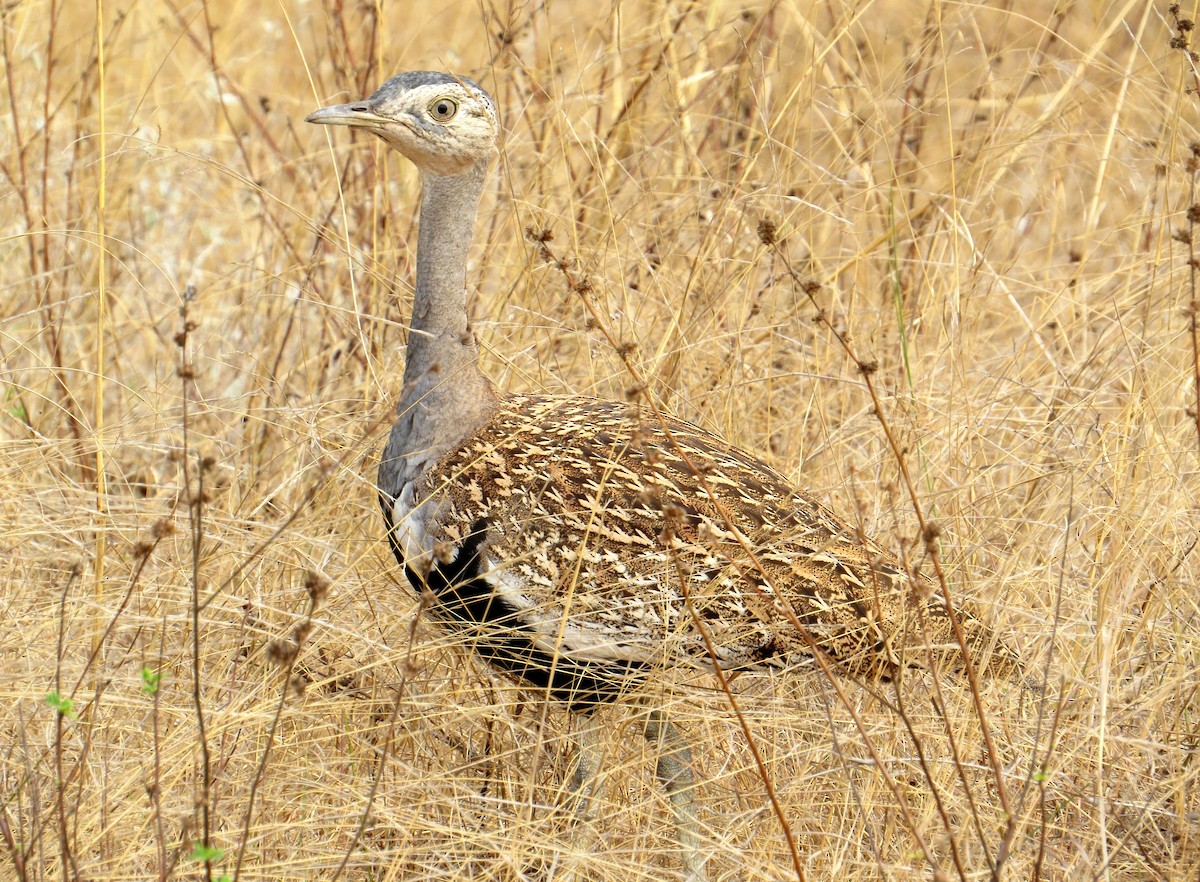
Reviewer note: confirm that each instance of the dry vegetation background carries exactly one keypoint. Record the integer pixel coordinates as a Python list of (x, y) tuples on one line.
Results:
[(202, 319)]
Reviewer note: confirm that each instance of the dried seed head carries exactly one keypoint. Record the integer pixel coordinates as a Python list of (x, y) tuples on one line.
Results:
[(158, 530), (162, 528), (650, 497), (767, 231), (316, 586), (282, 652), (673, 512), (930, 535)]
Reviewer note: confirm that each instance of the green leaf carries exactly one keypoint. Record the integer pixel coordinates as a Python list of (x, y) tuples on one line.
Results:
[(206, 853), (150, 681), (63, 705), (17, 410)]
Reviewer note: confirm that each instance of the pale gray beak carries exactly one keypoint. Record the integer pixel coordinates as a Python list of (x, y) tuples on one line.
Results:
[(356, 114)]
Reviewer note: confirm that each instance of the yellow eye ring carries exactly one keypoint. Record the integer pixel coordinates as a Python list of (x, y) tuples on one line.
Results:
[(443, 109)]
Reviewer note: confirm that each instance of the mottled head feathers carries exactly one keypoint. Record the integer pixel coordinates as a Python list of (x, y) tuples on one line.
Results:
[(444, 124)]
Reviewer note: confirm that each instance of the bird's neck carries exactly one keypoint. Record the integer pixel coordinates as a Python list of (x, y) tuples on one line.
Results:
[(445, 393), (440, 343)]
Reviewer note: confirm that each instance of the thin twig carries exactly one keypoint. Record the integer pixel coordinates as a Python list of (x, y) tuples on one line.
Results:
[(1182, 42), (195, 507), (67, 860)]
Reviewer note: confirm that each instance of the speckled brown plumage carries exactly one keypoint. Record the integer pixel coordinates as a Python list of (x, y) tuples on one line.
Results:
[(610, 540)]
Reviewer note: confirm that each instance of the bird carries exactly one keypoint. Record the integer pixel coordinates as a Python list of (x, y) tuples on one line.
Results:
[(581, 545)]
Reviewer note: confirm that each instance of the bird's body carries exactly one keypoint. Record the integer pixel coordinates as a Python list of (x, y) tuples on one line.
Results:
[(581, 544)]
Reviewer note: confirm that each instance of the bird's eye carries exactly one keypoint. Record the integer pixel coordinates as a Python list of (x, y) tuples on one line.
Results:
[(443, 109)]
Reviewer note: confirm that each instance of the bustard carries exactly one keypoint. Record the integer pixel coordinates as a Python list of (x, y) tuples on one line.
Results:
[(578, 548)]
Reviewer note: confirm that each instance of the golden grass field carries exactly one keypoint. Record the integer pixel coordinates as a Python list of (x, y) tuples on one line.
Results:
[(990, 205)]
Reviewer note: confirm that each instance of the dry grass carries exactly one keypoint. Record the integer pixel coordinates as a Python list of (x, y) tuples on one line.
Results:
[(994, 203)]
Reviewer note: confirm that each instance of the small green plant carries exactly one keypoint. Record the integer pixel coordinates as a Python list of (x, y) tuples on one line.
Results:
[(17, 408), (150, 681), (64, 706), (208, 854)]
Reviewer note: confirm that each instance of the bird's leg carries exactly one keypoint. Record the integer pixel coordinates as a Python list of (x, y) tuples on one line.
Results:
[(674, 770), (587, 765)]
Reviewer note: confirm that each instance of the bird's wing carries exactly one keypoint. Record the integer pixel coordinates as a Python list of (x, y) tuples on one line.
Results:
[(613, 538)]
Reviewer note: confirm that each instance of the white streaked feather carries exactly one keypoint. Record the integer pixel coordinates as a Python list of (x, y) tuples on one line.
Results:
[(552, 631)]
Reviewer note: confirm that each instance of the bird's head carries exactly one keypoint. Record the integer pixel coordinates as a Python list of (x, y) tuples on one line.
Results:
[(443, 123)]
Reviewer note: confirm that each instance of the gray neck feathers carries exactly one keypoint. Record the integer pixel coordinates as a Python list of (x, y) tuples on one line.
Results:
[(445, 396), (439, 342)]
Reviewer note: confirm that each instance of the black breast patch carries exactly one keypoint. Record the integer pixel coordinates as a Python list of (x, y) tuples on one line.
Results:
[(493, 628)]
